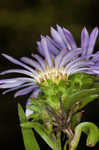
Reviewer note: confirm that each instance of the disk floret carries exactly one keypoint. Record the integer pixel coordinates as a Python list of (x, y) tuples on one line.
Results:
[(54, 74)]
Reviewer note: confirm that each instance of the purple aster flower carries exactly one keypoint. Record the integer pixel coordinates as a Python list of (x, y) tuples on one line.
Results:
[(63, 39), (60, 39), (61, 58)]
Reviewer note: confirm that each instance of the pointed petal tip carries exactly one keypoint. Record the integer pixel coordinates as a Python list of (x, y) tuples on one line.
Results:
[(95, 32), (4, 55), (4, 93), (96, 29), (15, 95), (66, 30), (58, 26), (1, 73), (43, 40), (52, 29), (42, 36), (38, 43), (84, 30)]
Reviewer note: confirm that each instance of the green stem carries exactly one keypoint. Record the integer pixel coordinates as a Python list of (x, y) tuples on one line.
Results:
[(66, 144), (58, 144)]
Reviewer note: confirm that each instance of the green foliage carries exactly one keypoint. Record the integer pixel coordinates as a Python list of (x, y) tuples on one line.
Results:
[(82, 80), (28, 136), (79, 87), (83, 96), (43, 132), (90, 130), (64, 100), (65, 146)]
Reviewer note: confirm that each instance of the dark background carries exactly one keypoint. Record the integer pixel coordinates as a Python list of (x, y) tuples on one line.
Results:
[(21, 23)]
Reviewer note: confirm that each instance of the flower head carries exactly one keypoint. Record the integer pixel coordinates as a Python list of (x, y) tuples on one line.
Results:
[(61, 58)]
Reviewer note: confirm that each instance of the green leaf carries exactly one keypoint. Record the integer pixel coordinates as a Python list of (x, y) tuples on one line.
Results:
[(59, 140), (28, 136), (76, 119), (83, 81), (80, 96), (88, 128), (42, 131), (86, 100)]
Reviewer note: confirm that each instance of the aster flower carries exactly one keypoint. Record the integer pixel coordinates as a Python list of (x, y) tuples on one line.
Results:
[(61, 58), (63, 39)]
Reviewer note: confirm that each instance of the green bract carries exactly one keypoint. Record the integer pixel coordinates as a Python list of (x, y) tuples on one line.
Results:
[(59, 105), (79, 87)]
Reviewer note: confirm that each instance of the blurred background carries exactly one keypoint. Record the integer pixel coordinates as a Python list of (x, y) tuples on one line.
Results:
[(21, 23)]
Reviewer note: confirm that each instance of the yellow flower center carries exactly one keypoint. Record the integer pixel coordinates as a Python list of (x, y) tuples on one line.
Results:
[(53, 74)]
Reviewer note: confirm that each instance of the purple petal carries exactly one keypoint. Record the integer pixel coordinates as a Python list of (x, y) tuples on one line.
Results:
[(19, 63), (25, 91), (95, 67), (15, 82), (18, 87), (70, 39), (22, 71), (57, 45), (84, 40), (56, 36), (92, 40), (52, 48), (21, 79), (71, 55), (86, 70), (40, 49), (35, 93), (61, 32), (41, 61), (79, 65), (31, 63), (10, 85), (59, 57), (95, 72), (77, 60), (47, 54)]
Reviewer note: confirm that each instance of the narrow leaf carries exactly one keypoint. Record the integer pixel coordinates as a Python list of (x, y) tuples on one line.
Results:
[(79, 96), (86, 100), (59, 140), (28, 136), (42, 131), (88, 128)]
